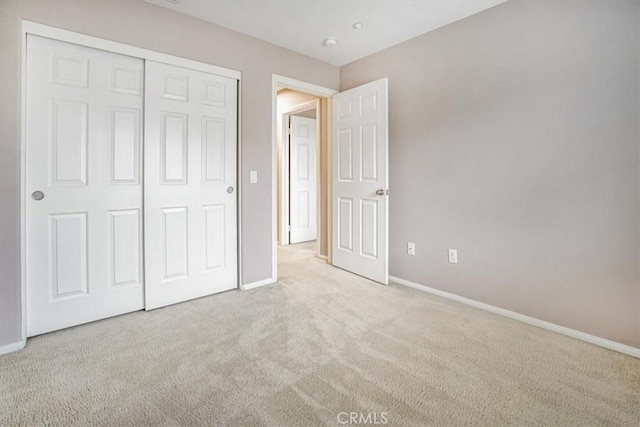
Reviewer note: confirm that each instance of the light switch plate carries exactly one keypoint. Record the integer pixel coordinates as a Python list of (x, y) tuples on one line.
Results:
[(453, 256), (253, 177)]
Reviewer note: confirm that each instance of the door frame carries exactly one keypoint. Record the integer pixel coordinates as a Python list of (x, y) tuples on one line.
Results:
[(284, 161), (311, 89), (36, 29)]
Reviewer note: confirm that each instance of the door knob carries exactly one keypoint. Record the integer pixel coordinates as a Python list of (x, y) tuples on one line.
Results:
[(230, 190), (381, 192), (37, 195)]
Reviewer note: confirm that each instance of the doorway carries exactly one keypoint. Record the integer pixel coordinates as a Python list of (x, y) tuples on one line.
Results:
[(353, 195), (302, 169), (300, 213), (301, 166)]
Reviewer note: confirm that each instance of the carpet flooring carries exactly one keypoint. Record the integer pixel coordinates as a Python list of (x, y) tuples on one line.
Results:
[(320, 347)]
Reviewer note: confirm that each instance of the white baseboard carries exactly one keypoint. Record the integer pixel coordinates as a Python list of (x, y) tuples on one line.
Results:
[(257, 284), (10, 348), (602, 342), (323, 257)]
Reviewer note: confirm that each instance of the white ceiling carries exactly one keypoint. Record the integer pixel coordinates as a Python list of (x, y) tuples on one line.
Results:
[(302, 25)]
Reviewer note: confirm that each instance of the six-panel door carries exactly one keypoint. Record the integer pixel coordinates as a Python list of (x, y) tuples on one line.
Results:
[(360, 181), (190, 184), (83, 184)]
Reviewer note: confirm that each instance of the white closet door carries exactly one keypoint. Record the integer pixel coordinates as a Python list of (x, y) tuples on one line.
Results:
[(83, 185), (360, 181), (190, 184), (303, 185)]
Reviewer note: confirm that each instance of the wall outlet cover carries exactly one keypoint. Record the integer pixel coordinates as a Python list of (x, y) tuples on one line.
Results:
[(411, 248)]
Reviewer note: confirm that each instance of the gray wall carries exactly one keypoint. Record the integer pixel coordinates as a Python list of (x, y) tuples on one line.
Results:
[(514, 139), (145, 25)]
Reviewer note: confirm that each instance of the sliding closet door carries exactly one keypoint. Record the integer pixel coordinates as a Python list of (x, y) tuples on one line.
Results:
[(83, 184), (190, 184)]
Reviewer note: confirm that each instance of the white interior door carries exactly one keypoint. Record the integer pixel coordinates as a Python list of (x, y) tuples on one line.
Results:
[(303, 181), (189, 188), (83, 184), (360, 181)]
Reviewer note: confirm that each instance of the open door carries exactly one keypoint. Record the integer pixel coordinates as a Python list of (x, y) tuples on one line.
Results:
[(360, 181)]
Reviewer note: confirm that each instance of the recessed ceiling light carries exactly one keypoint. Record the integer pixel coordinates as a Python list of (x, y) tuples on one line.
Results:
[(330, 41), (357, 25)]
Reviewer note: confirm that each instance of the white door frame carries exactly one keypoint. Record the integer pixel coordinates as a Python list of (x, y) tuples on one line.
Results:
[(284, 161), (311, 89), (42, 30)]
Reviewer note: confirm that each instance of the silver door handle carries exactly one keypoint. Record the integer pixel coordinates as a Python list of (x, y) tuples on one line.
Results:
[(381, 192), (230, 190), (37, 195)]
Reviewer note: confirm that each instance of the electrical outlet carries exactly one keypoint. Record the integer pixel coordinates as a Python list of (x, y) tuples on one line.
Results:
[(411, 248), (453, 256)]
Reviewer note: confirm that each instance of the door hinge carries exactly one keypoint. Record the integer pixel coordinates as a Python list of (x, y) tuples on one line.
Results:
[(289, 131), (289, 228)]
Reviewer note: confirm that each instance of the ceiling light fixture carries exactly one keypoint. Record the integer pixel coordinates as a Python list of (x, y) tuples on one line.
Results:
[(357, 25), (330, 41)]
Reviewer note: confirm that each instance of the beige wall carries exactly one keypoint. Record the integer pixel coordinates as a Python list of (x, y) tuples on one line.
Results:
[(514, 139), (148, 26), (289, 98), (311, 114)]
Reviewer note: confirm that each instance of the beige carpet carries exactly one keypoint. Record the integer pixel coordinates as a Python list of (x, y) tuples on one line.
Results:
[(319, 343)]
